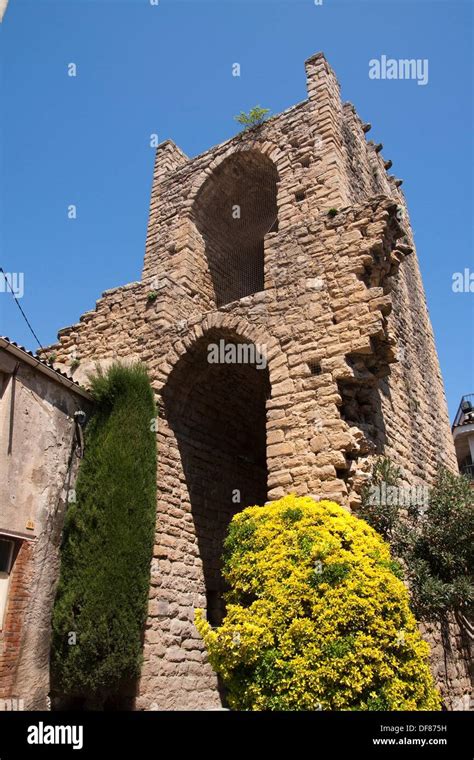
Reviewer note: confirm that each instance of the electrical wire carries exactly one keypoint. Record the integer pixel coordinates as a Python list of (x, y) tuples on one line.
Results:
[(22, 312)]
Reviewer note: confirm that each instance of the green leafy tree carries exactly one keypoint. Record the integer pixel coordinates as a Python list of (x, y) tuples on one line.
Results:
[(317, 617), (435, 544), (254, 118), (439, 549), (101, 601)]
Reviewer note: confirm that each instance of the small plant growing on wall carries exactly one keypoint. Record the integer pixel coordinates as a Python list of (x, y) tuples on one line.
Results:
[(152, 296), (75, 364), (332, 212), (254, 118), (52, 358)]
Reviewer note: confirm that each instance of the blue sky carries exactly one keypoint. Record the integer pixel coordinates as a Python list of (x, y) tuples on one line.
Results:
[(167, 69)]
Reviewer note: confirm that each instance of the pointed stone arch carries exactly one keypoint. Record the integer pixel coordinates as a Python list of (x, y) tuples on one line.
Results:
[(234, 209), (267, 148), (207, 450), (275, 357)]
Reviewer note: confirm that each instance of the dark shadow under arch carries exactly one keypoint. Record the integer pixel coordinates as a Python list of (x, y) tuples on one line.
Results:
[(217, 413)]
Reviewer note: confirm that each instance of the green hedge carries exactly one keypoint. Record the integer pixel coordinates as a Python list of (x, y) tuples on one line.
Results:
[(108, 543)]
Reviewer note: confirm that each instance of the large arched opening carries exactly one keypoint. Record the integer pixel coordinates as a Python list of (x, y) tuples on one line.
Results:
[(216, 411), (234, 210)]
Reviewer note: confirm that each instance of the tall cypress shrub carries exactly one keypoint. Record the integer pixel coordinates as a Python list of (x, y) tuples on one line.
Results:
[(101, 601)]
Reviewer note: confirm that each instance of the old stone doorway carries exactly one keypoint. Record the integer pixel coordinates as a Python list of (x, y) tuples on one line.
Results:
[(217, 413)]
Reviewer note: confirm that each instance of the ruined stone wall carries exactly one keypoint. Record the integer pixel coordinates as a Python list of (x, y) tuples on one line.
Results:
[(413, 402), (342, 323)]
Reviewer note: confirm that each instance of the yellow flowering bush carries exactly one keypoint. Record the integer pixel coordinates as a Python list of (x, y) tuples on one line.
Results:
[(317, 616)]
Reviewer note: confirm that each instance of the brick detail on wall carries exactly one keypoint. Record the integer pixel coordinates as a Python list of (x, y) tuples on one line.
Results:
[(17, 606)]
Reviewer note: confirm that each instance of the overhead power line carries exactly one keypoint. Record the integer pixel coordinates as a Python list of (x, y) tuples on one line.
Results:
[(21, 310)]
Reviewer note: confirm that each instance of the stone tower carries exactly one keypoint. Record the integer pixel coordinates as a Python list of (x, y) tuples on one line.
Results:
[(291, 243)]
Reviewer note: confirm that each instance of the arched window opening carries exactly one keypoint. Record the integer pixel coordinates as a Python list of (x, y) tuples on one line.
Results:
[(234, 210)]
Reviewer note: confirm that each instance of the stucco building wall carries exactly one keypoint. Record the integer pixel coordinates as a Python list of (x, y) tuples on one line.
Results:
[(37, 470)]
